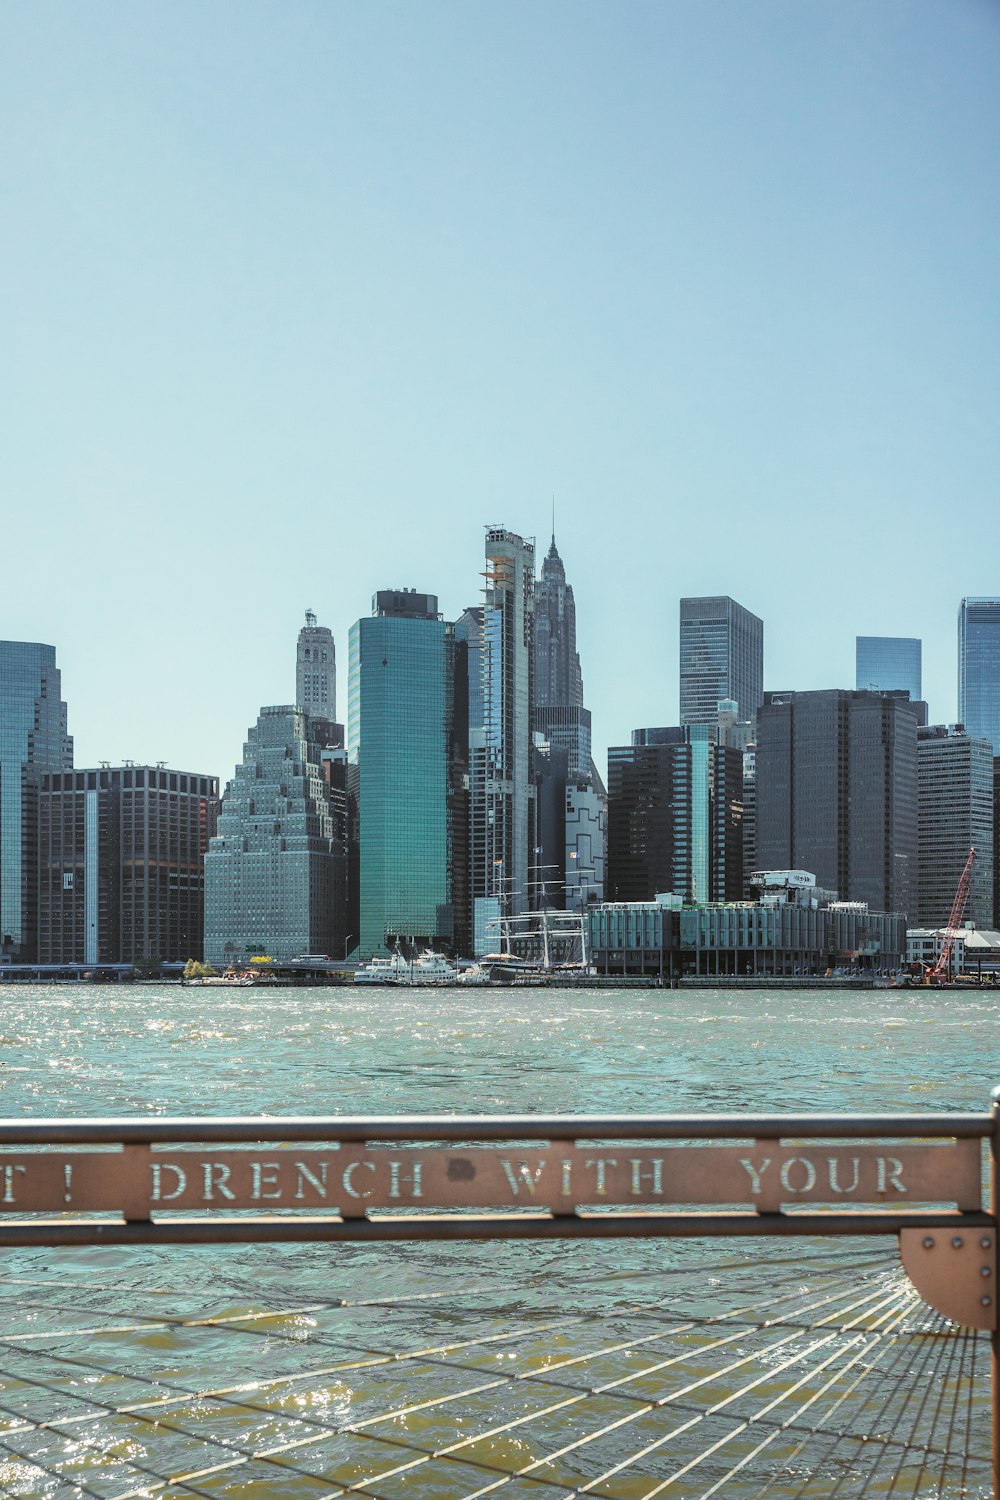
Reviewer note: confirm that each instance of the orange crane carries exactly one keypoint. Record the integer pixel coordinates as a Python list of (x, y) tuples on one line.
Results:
[(941, 971)]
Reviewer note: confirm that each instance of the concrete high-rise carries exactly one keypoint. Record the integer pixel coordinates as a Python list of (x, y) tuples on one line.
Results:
[(316, 670), (33, 740), (721, 656), (407, 750), (836, 793), (955, 807), (275, 871), (121, 864), (502, 785), (979, 669)]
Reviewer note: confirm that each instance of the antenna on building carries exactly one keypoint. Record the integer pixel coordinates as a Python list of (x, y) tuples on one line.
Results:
[(105, 765), (160, 764)]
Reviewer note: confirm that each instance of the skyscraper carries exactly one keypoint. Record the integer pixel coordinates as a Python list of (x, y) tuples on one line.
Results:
[(274, 873), (721, 656), (836, 789), (502, 786), (887, 662), (558, 712), (675, 817), (407, 733), (121, 864), (316, 670), (558, 677), (33, 739), (955, 807), (979, 669)]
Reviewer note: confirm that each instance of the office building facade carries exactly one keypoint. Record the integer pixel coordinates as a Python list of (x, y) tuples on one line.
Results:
[(675, 818), (121, 864), (979, 669), (407, 750), (502, 788), (33, 740), (721, 657), (955, 814), (836, 793), (885, 663), (316, 670), (275, 871)]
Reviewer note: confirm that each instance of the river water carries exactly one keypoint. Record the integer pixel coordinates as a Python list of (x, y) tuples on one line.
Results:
[(90, 1050)]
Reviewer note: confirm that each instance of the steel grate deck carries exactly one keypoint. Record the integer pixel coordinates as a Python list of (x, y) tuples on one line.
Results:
[(811, 1374)]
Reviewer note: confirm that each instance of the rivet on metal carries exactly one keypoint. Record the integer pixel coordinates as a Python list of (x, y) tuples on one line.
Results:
[(985, 1271), (985, 1301), (986, 1243), (928, 1242), (957, 1242)]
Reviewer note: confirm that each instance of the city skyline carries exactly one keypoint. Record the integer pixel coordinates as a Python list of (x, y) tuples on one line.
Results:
[(722, 283)]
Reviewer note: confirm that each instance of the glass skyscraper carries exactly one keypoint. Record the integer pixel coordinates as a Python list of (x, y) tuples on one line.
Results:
[(888, 663), (33, 739), (407, 732), (979, 669), (721, 656)]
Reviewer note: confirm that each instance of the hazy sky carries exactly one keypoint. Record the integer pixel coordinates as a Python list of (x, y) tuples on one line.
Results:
[(298, 296)]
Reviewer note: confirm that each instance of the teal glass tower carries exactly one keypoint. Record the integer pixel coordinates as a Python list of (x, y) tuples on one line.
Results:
[(33, 740), (406, 737)]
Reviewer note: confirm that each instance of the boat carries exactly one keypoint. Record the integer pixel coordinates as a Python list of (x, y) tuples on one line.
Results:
[(426, 969), (229, 978), (472, 975)]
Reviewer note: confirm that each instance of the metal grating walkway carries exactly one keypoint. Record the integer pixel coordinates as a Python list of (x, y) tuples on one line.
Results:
[(812, 1373)]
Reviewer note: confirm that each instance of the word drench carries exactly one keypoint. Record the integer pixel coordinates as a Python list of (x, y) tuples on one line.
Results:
[(354, 1180)]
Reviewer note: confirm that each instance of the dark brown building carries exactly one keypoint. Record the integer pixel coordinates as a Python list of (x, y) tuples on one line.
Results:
[(121, 874)]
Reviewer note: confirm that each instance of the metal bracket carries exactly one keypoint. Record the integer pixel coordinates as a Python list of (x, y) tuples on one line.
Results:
[(954, 1271)]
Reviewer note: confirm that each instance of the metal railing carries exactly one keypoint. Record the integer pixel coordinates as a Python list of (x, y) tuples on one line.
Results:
[(924, 1178)]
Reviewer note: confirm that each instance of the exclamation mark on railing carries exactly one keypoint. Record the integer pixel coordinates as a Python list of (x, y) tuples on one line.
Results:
[(68, 1175)]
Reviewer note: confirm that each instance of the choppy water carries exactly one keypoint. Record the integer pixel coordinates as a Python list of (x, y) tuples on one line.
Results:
[(89, 1050)]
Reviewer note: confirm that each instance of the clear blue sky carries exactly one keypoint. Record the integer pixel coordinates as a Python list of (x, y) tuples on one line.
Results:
[(298, 296)]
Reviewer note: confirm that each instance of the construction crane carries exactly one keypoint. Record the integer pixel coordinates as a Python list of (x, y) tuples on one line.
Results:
[(942, 969)]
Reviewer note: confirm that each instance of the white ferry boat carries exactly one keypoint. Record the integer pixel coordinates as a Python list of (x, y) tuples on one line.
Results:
[(428, 968)]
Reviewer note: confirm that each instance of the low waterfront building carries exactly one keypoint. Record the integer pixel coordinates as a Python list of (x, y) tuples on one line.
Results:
[(797, 934), (121, 864)]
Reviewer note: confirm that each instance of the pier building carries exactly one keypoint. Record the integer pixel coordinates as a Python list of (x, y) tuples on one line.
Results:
[(792, 930)]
